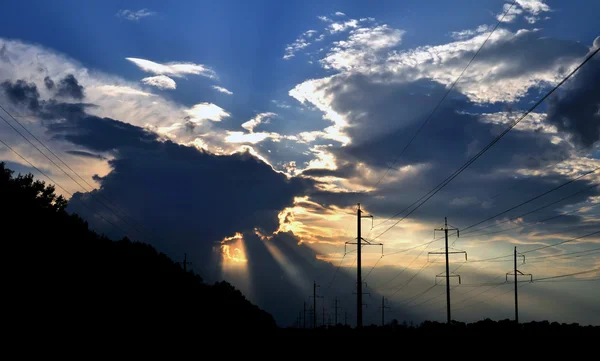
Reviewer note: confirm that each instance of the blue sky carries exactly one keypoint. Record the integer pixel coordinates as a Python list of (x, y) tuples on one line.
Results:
[(314, 100)]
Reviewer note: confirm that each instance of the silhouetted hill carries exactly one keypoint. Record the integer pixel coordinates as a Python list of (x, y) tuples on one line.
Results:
[(62, 276)]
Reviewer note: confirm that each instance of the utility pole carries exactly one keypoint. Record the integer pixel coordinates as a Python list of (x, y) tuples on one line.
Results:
[(336, 311), (345, 318), (360, 242), (185, 262), (304, 317), (311, 313), (315, 296), (516, 274), (382, 308), (323, 314), (448, 275)]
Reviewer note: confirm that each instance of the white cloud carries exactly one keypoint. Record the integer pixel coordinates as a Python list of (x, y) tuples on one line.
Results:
[(160, 81), (206, 111), (134, 15), (250, 138), (342, 26), (324, 19), (532, 7), (310, 33), (508, 16), (339, 13), (173, 69), (220, 89), (361, 47), (469, 33), (280, 104), (299, 44), (533, 122), (259, 118), (115, 90)]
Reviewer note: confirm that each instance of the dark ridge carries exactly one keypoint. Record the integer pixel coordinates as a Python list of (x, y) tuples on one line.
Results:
[(63, 277)]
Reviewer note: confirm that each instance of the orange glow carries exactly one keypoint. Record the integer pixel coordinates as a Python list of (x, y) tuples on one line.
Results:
[(234, 254), (233, 249)]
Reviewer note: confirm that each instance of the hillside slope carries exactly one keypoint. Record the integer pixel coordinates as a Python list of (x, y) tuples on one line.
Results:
[(62, 275)]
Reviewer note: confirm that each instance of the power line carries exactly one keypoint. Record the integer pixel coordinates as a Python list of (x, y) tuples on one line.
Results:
[(538, 197), (568, 275), (562, 242), (444, 97), (63, 162), (61, 187), (563, 254), (546, 167), (530, 223), (456, 173), (58, 166)]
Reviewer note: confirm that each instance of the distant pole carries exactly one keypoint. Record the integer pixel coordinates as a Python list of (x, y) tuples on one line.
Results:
[(315, 296), (359, 303), (323, 314), (359, 280), (185, 262), (516, 274), (304, 317), (383, 307), (345, 318), (447, 272), (336, 310), (448, 275), (315, 305), (516, 297)]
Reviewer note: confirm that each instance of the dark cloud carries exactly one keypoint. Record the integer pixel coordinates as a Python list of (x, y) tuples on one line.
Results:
[(382, 118), (577, 110), (69, 87), (22, 93), (85, 154), (71, 122), (49, 83)]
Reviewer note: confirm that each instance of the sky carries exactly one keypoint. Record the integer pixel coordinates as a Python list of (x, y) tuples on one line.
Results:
[(245, 133)]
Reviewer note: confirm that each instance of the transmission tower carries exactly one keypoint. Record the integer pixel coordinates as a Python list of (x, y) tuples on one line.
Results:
[(314, 297), (517, 273), (185, 262), (360, 242), (447, 275), (383, 307)]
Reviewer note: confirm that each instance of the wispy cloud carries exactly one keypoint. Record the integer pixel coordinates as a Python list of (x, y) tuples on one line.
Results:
[(299, 44), (206, 111), (134, 15), (469, 33), (160, 81), (220, 89), (339, 13), (252, 123), (324, 18), (533, 7), (173, 69), (343, 26), (118, 90), (280, 104)]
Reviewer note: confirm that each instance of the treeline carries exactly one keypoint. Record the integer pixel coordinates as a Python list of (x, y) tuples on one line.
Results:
[(483, 327), (63, 276)]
